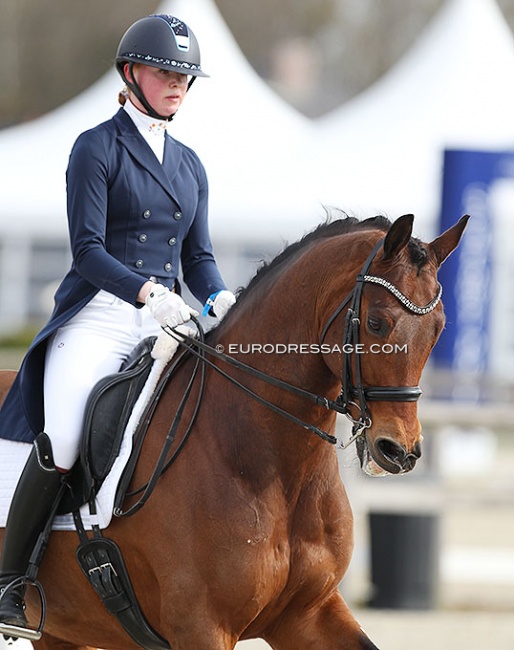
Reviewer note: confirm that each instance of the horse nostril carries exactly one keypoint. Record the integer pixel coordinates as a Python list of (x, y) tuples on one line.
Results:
[(416, 451), (392, 451)]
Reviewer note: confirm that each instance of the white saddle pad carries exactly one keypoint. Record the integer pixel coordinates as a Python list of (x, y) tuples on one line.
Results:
[(13, 455)]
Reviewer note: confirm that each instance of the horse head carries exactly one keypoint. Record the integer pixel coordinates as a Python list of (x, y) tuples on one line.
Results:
[(393, 319), (364, 296)]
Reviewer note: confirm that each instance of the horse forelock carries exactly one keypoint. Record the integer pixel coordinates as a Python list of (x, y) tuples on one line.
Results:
[(418, 254)]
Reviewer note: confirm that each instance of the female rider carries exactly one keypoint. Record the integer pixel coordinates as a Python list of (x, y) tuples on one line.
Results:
[(137, 208)]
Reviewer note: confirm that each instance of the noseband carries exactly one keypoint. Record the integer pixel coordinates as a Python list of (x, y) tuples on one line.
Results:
[(353, 393)]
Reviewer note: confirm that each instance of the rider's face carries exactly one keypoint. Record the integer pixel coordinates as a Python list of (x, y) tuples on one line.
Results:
[(164, 90)]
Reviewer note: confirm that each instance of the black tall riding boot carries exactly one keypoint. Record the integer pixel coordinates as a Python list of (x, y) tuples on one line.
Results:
[(37, 491)]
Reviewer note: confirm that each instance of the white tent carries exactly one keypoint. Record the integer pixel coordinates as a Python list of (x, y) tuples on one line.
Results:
[(383, 151), (270, 168)]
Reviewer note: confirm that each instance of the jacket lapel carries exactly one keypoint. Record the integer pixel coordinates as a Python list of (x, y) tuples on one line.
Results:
[(135, 144)]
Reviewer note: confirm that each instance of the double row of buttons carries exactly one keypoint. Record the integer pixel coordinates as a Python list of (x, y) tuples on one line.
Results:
[(143, 238), (167, 267), (176, 215), (171, 241)]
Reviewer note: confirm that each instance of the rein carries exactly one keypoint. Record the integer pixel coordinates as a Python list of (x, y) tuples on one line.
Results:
[(349, 390), (163, 461), (249, 370)]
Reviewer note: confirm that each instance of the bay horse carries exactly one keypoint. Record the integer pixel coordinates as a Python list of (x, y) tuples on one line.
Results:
[(250, 532)]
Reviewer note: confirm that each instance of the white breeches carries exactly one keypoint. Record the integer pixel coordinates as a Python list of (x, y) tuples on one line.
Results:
[(91, 345)]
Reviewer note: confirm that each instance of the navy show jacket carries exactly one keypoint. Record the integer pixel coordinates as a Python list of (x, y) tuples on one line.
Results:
[(130, 219)]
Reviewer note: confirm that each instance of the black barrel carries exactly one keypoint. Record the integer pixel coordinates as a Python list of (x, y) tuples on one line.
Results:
[(404, 560)]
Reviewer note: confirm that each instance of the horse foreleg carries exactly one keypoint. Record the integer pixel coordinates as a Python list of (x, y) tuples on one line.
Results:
[(48, 642), (330, 626)]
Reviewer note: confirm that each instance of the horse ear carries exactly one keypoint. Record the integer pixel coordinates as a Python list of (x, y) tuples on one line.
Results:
[(448, 241), (398, 236)]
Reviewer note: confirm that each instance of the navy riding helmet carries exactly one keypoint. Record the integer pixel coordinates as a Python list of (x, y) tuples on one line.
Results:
[(160, 41)]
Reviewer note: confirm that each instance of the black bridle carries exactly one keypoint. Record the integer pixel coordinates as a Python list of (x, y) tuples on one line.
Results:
[(353, 395)]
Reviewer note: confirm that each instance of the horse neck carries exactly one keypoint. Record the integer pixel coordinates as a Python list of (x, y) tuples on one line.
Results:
[(264, 448), (277, 321)]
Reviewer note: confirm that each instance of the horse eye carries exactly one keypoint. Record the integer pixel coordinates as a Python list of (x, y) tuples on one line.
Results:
[(374, 324)]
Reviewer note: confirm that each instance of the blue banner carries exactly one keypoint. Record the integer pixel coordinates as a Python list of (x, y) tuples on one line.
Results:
[(466, 275)]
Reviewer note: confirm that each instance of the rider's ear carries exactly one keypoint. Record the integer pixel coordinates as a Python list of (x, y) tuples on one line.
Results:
[(128, 71), (398, 236)]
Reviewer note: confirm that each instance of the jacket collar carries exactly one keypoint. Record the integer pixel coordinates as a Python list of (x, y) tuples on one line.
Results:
[(134, 142)]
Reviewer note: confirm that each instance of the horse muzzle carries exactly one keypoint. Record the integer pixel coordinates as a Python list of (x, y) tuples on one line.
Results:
[(386, 456)]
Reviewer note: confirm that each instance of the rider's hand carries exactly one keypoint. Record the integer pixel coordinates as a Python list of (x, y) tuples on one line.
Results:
[(167, 307), (222, 303)]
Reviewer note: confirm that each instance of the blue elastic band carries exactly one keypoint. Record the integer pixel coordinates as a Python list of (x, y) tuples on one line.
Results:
[(210, 303)]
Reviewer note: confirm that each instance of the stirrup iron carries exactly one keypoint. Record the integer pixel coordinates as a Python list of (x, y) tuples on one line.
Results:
[(20, 632)]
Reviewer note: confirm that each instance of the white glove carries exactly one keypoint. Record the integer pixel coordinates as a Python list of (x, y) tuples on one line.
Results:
[(167, 307), (222, 303)]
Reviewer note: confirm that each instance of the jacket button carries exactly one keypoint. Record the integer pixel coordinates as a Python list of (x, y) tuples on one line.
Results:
[(142, 238), (147, 214), (172, 241), (167, 267), (139, 264), (177, 216)]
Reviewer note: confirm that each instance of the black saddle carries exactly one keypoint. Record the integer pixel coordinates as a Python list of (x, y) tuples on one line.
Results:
[(108, 410)]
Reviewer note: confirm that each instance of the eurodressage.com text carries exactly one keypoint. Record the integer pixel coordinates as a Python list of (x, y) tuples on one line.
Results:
[(312, 348)]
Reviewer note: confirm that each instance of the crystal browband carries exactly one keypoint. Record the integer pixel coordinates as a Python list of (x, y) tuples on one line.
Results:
[(406, 302)]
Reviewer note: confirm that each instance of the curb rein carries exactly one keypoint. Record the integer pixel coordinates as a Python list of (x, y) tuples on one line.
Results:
[(352, 394)]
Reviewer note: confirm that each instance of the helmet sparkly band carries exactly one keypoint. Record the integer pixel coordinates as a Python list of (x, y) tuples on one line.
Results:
[(190, 67)]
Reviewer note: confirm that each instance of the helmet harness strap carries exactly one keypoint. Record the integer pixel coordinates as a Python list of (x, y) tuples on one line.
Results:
[(136, 89)]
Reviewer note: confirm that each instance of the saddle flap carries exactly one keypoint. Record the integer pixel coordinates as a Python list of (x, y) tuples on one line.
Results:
[(108, 410), (107, 413)]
